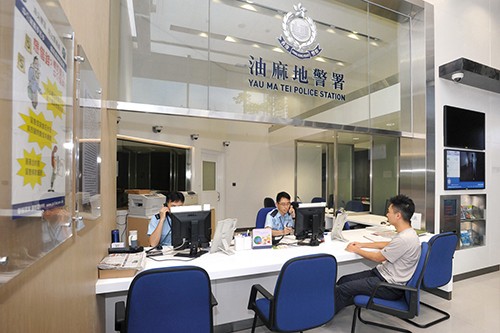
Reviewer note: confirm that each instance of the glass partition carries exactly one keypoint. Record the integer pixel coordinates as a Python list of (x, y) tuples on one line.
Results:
[(88, 141), (36, 201), (385, 183), (332, 62)]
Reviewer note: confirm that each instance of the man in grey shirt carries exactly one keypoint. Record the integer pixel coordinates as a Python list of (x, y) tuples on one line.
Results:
[(397, 259)]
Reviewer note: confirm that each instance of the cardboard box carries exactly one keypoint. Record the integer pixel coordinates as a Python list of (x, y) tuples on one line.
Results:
[(136, 191), (116, 273)]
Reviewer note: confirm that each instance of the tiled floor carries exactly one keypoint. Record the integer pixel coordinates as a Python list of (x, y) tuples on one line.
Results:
[(475, 307)]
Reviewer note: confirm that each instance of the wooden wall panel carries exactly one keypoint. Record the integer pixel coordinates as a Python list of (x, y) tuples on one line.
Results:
[(57, 293)]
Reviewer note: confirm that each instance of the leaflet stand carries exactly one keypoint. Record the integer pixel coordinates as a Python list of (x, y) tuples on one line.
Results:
[(338, 225)]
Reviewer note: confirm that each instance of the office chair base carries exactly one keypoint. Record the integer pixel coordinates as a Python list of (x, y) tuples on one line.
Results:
[(445, 316), (357, 311)]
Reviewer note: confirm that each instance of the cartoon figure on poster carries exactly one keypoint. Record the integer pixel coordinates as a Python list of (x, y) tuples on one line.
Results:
[(34, 81), (57, 165)]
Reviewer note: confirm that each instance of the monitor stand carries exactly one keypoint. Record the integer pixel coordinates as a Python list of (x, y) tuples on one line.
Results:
[(194, 252)]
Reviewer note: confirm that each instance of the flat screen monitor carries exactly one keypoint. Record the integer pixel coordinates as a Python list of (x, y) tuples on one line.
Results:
[(464, 128), (338, 225), (310, 222), (191, 229), (223, 236), (464, 170)]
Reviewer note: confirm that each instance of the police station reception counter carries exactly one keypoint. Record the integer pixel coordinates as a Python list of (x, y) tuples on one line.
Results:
[(233, 275)]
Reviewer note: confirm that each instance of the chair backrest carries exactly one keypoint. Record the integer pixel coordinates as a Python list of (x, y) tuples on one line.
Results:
[(304, 293), (176, 299), (354, 206), (261, 216), (317, 199), (269, 202), (418, 276), (440, 264)]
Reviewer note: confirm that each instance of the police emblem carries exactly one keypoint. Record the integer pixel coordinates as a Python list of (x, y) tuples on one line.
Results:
[(299, 34)]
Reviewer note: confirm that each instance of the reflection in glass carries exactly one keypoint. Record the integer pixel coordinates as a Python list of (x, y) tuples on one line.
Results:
[(225, 56), (38, 165)]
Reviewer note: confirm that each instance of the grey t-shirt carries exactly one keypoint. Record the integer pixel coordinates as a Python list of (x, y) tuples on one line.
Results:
[(402, 255)]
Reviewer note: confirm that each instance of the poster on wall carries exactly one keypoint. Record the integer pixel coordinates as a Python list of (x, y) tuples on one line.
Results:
[(39, 112)]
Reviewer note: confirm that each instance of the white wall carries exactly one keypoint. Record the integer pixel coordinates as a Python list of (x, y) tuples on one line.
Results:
[(470, 29)]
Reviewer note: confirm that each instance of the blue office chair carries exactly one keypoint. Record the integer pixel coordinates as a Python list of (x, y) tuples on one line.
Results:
[(303, 297), (439, 270), (317, 199), (269, 202), (405, 307), (261, 216), (354, 206), (175, 299)]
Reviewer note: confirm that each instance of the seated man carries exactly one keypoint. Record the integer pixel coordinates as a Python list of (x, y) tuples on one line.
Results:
[(398, 258), (280, 220), (159, 229)]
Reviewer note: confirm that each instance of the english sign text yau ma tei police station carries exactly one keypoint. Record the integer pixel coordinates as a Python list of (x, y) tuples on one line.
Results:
[(299, 35)]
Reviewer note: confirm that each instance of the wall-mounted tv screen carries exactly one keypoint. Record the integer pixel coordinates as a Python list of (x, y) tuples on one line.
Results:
[(464, 170), (463, 128)]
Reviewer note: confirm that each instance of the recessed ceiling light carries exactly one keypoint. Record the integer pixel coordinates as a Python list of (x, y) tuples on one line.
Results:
[(230, 39), (202, 34), (340, 63), (277, 49), (319, 59), (256, 45), (249, 7)]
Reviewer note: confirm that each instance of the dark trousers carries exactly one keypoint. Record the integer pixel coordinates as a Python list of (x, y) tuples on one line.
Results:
[(362, 283)]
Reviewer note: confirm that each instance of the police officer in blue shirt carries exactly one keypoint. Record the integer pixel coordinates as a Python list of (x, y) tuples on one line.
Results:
[(280, 220), (160, 228)]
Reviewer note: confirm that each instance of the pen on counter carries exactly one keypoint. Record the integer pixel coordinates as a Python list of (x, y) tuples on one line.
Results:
[(369, 238)]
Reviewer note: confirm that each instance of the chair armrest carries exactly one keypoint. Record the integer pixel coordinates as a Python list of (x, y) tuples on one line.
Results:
[(253, 295), (119, 316), (413, 301), (213, 300)]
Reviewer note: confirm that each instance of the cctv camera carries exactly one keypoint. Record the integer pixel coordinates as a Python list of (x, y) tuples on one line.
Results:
[(118, 119), (226, 143), (194, 136), (457, 77), (157, 129)]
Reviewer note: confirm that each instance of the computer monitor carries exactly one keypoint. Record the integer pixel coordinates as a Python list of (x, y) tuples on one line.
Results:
[(310, 222), (191, 228), (223, 236)]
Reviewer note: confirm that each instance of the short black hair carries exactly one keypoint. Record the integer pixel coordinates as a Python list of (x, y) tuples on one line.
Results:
[(282, 195), (175, 196), (404, 205)]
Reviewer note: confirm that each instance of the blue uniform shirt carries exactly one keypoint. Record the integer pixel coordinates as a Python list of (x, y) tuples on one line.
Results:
[(166, 231), (278, 222)]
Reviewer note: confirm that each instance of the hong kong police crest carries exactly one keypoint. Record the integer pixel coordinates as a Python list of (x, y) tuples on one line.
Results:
[(299, 34)]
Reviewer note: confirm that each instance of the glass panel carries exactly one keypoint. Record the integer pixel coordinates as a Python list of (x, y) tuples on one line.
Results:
[(343, 62), (354, 168), (385, 171), (311, 170), (88, 148), (209, 176), (390, 76), (37, 128)]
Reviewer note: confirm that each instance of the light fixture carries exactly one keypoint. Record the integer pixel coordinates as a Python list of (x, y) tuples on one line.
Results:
[(194, 136), (131, 17), (330, 30), (249, 7), (319, 59), (353, 36), (277, 49), (226, 143), (202, 34), (230, 39)]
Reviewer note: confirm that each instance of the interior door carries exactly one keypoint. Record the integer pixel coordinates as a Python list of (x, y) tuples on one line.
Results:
[(213, 183)]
